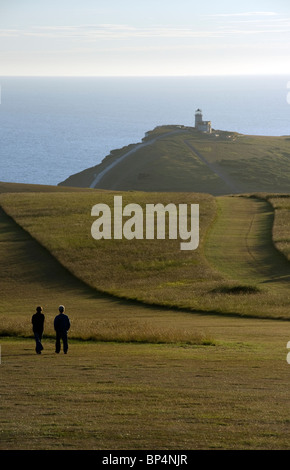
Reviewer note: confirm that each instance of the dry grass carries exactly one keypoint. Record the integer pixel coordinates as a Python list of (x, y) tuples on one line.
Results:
[(137, 332), (120, 331)]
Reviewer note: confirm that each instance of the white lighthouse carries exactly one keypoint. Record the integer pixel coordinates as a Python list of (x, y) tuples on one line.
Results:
[(200, 125)]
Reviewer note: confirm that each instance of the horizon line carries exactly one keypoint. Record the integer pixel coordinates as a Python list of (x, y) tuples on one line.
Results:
[(150, 76)]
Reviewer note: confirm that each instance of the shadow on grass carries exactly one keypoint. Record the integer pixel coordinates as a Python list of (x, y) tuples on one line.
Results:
[(33, 263), (272, 263)]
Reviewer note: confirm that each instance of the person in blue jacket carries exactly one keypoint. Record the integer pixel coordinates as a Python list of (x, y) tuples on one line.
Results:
[(61, 326)]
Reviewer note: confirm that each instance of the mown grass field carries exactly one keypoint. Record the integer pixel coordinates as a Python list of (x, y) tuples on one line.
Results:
[(197, 362), (104, 396)]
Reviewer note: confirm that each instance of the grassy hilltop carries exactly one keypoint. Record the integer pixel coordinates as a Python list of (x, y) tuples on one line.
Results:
[(178, 158)]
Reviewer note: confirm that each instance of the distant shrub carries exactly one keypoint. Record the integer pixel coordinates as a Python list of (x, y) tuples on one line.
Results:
[(236, 290)]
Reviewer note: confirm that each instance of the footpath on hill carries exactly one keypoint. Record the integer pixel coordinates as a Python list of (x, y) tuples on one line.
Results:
[(221, 174), (240, 243), (100, 175)]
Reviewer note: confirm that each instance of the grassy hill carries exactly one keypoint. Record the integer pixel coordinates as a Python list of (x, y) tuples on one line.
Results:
[(144, 373), (48, 257), (178, 158), (236, 254), (146, 270)]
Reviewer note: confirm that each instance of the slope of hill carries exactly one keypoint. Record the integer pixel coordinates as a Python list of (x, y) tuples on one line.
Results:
[(235, 270), (178, 158), (49, 221)]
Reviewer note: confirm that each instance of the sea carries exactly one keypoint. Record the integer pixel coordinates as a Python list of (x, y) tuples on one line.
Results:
[(53, 127)]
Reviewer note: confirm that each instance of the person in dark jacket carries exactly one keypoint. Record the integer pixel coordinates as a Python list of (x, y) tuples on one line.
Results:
[(61, 326), (37, 327)]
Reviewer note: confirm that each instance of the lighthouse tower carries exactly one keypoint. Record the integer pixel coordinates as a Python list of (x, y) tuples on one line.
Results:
[(200, 125), (198, 117)]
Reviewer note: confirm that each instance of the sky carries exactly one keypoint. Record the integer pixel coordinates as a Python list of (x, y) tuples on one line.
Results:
[(144, 37)]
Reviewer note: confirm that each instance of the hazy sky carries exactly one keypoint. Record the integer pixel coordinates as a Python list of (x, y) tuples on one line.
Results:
[(150, 37)]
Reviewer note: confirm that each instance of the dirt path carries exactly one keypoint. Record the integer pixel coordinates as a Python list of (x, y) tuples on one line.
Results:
[(240, 243), (100, 176), (232, 187)]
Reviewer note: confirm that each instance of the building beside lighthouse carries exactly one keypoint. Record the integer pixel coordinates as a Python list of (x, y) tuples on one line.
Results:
[(200, 125)]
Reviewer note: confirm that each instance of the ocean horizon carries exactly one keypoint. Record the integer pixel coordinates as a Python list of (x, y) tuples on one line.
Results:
[(53, 127)]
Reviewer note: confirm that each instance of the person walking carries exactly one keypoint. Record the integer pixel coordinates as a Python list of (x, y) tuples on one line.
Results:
[(61, 326), (37, 328)]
